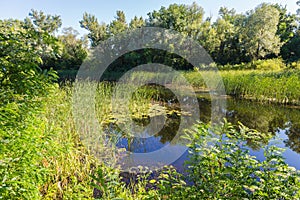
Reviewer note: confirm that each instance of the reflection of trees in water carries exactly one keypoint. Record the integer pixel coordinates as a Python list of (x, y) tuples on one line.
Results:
[(268, 118), (170, 127), (293, 134), (262, 117)]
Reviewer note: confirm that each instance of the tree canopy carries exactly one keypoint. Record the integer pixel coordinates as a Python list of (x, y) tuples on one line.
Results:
[(268, 31)]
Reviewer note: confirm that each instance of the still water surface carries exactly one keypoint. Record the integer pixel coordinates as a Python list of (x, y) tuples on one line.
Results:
[(282, 121)]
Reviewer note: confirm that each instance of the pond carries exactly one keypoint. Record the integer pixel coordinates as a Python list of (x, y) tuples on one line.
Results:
[(280, 120)]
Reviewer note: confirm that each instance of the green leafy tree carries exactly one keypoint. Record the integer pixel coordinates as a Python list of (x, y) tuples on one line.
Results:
[(261, 37), (19, 60), (97, 32), (47, 45), (45, 23), (137, 22), (287, 24), (228, 33), (207, 37), (186, 19), (119, 24), (74, 50)]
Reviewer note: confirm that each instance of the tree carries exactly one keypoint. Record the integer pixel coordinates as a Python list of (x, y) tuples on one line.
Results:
[(287, 24), (118, 25), (47, 45), (228, 34), (185, 19), (260, 30), (207, 37), (19, 61), (182, 18), (74, 50), (137, 22), (97, 32), (45, 23), (291, 49)]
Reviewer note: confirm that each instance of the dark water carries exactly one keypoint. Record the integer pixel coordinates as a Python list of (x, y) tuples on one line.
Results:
[(282, 121)]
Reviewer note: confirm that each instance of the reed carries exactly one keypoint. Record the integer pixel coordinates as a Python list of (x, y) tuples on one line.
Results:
[(281, 87)]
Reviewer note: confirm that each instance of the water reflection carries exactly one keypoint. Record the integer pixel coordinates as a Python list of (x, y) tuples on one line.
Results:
[(279, 120)]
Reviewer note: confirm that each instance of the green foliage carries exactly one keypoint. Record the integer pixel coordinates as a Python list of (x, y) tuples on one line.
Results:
[(119, 24), (260, 32), (108, 184), (228, 30), (19, 60), (42, 156), (294, 65), (287, 23), (281, 87), (290, 50), (23, 86), (186, 19), (34, 163), (45, 23), (74, 50), (268, 31), (97, 32), (221, 168), (137, 22), (271, 64), (47, 46), (266, 86)]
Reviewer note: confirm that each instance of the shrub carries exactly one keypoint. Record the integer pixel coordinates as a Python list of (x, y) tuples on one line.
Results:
[(294, 65), (220, 167), (270, 64)]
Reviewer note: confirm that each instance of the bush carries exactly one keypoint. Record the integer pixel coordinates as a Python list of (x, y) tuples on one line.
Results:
[(294, 65), (271, 64), (220, 167)]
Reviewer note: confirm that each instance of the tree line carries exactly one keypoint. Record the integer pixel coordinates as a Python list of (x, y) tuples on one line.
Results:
[(268, 31)]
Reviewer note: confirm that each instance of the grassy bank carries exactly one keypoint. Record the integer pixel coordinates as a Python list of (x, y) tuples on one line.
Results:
[(267, 86), (281, 86)]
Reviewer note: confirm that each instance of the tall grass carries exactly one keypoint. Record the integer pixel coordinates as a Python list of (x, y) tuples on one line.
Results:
[(41, 154), (280, 86), (267, 86)]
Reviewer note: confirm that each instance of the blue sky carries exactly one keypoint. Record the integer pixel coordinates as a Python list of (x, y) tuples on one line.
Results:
[(71, 11)]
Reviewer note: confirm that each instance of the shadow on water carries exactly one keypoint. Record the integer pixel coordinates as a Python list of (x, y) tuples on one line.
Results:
[(281, 121)]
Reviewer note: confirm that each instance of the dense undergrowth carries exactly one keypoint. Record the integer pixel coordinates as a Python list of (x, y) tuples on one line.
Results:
[(41, 156)]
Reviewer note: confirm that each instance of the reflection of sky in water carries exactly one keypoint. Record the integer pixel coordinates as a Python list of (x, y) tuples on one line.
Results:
[(291, 157), (142, 145), (153, 143)]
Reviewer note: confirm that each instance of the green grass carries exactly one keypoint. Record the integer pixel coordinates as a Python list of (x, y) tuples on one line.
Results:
[(267, 86), (279, 86), (41, 154)]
